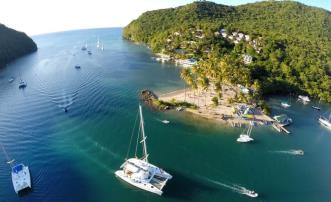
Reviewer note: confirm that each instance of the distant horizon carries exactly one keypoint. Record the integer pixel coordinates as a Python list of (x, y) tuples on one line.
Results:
[(47, 20)]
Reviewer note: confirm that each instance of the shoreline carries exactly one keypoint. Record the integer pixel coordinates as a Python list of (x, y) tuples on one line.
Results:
[(223, 112)]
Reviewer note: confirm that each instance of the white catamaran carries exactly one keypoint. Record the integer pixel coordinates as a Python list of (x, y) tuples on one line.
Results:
[(139, 172), (325, 121), (20, 174), (246, 137)]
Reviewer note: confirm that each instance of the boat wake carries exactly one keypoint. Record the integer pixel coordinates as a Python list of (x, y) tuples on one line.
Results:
[(290, 152), (232, 187), (65, 101)]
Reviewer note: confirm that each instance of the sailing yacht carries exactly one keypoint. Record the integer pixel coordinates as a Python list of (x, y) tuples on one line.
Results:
[(98, 43), (325, 121), (84, 48), (20, 174), (303, 99), (245, 137), (22, 84), (139, 172)]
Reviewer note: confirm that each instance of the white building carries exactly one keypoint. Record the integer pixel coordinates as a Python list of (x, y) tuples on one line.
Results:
[(248, 59), (224, 34), (247, 37)]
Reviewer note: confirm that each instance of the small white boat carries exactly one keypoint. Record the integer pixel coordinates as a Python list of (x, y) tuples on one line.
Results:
[(20, 175), (102, 48), (246, 137), (298, 152), (11, 79), (303, 99), (22, 84), (285, 104), (250, 193), (139, 172), (316, 108), (165, 121)]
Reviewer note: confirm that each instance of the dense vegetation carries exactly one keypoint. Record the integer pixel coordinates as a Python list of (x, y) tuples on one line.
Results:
[(14, 44), (293, 53)]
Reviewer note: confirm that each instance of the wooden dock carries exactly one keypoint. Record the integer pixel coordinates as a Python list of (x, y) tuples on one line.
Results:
[(280, 128)]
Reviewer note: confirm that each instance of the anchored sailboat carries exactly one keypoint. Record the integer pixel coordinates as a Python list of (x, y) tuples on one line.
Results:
[(139, 172), (246, 137), (98, 43), (20, 174)]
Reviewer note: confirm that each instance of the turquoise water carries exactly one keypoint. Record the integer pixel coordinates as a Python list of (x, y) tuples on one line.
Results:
[(72, 156)]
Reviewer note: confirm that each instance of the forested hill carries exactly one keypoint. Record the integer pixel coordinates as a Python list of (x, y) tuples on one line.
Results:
[(14, 44), (289, 42)]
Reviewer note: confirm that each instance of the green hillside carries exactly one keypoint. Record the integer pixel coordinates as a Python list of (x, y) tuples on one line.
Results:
[(14, 44), (290, 44)]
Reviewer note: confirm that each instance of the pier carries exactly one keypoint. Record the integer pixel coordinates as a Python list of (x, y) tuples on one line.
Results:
[(280, 128)]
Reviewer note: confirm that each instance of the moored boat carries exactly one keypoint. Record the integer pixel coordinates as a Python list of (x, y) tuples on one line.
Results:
[(139, 172), (303, 99)]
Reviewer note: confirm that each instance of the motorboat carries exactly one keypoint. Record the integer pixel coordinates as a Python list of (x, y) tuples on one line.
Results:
[(89, 52), (165, 121), (139, 172), (285, 104), (316, 108), (77, 66), (250, 193)]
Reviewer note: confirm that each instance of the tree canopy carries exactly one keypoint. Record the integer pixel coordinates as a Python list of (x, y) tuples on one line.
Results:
[(291, 50), (14, 44)]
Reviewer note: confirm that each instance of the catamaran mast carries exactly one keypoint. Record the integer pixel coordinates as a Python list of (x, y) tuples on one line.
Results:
[(143, 141)]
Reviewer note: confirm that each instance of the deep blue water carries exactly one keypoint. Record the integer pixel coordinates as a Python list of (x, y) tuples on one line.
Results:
[(72, 156)]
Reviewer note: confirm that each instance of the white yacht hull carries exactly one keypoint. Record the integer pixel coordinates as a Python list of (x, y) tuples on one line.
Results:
[(145, 186), (244, 138), (21, 180), (325, 123)]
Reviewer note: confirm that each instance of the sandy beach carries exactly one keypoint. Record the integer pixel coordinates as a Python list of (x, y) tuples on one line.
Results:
[(223, 112)]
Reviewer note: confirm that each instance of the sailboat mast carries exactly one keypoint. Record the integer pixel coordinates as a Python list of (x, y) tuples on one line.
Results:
[(143, 141)]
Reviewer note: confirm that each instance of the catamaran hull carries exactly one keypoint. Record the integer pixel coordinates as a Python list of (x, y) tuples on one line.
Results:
[(21, 181), (325, 123), (145, 186)]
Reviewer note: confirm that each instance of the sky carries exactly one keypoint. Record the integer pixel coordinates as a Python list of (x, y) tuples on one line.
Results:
[(44, 16)]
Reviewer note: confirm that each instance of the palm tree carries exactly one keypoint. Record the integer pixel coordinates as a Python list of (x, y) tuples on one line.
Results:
[(186, 76)]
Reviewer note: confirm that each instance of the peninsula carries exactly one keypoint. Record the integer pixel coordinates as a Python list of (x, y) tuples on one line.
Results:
[(14, 44)]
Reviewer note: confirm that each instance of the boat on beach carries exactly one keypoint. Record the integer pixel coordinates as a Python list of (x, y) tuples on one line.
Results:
[(139, 172)]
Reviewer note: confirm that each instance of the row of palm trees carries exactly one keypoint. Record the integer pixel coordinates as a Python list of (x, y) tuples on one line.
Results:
[(215, 73)]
